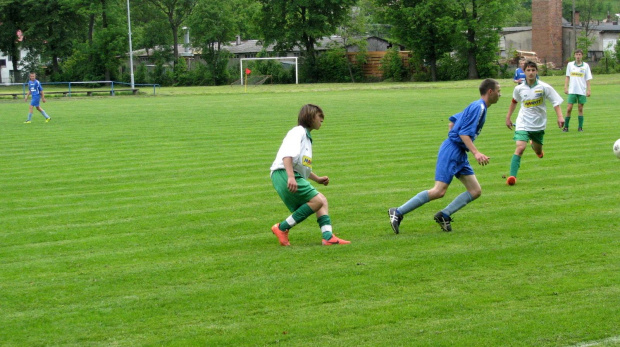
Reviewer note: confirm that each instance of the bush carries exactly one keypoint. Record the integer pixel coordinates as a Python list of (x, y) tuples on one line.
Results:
[(451, 68), (392, 66), (333, 66)]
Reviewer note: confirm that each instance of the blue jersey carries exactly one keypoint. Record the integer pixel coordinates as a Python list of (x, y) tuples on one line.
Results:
[(469, 122), (35, 87), (519, 75)]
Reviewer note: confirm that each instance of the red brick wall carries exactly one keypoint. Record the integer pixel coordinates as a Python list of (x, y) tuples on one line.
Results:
[(547, 30)]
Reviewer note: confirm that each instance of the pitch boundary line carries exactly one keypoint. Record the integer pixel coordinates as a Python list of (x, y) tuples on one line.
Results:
[(613, 339)]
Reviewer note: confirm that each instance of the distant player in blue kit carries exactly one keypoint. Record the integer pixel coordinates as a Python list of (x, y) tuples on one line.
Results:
[(519, 76), (452, 160), (36, 90)]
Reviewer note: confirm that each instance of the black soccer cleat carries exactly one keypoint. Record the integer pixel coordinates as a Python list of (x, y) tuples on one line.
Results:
[(443, 221), (395, 219)]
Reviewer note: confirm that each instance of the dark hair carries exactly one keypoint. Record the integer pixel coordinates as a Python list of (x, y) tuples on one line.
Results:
[(578, 51), (530, 63), (487, 84), (307, 113)]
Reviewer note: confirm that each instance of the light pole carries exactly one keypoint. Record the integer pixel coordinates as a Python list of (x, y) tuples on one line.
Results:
[(130, 48)]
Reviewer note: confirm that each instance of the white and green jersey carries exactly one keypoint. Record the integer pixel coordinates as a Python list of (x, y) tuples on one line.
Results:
[(578, 74), (298, 145), (533, 99)]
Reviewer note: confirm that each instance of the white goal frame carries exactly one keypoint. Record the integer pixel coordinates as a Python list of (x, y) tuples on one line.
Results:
[(271, 58)]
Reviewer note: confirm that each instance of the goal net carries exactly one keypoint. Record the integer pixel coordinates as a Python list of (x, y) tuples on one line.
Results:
[(244, 76)]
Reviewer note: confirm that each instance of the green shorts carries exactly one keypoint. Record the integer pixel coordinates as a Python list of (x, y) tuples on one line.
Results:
[(535, 136), (305, 190), (577, 99)]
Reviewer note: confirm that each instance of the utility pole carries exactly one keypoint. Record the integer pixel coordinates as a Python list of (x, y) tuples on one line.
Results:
[(574, 30)]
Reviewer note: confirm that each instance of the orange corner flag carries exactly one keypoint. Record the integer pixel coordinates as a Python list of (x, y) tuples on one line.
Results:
[(248, 71)]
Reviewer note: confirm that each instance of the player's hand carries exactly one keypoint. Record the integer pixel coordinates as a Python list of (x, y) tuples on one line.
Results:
[(561, 122), (43, 99), (588, 93), (324, 180), (565, 90), (292, 185), (482, 159), (509, 123)]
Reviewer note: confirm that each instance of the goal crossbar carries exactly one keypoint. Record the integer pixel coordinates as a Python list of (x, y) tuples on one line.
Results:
[(270, 58)]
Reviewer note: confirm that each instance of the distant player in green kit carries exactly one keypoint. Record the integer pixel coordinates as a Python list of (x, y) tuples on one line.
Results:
[(577, 86), (289, 174), (532, 119)]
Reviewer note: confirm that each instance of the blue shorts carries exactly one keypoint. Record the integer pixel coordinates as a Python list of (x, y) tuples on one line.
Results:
[(451, 161), (36, 100)]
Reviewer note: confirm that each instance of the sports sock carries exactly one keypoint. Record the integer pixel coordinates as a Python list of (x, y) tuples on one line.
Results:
[(420, 199), (44, 114), (300, 214), (29, 117), (566, 121), (458, 203), (580, 118), (325, 223), (515, 163)]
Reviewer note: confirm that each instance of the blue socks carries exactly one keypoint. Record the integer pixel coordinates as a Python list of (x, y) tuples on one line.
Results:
[(458, 203), (420, 199)]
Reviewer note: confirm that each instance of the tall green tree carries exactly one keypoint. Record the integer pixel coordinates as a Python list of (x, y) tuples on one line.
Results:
[(12, 19), (212, 25), (479, 22), (176, 12), (425, 26), (301, 23), (52, 27)]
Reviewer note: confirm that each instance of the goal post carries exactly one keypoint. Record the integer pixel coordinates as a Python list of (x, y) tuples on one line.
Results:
[(270, 58)]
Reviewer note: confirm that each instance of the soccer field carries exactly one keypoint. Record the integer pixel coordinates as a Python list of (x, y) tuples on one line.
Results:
[(145, 220)]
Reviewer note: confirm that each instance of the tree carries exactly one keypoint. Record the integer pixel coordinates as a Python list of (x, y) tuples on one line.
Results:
[(479, 22), (213, 24), (176, 11), (11, 20), (51, 28), (301, 23), (427, 27)]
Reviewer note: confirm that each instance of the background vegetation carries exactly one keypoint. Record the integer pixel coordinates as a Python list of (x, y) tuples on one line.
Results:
[(70, 40)]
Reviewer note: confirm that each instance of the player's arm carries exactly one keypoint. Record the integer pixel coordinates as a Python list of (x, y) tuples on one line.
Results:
[(27, 95), (511, 109), (558, 112), (324, 180), (566, 80), (588, 88), (480, 158), (42, 95), (288, 166)]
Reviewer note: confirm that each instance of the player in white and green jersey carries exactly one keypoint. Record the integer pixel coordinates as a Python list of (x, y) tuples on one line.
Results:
[(577, 86), (532, 119), (290, 172)]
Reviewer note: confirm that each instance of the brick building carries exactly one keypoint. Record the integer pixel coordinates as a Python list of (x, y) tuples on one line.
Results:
[(547, 30)]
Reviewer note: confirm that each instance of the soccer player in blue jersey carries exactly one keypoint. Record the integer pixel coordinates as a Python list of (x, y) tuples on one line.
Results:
[(452, 160), (36, 90), (519, 76)]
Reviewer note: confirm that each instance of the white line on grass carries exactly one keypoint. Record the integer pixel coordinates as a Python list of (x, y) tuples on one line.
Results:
[(613, 339)]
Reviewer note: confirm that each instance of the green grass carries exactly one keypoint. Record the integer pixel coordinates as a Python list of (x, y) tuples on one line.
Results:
[(141, 220)]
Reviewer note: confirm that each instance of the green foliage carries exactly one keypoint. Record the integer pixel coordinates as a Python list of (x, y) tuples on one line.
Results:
[(617, 51), (141, 75), (301, 23), (182, 75), (451, 68), (607, 65), (392, 66), (333, 66), (162, 75)]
